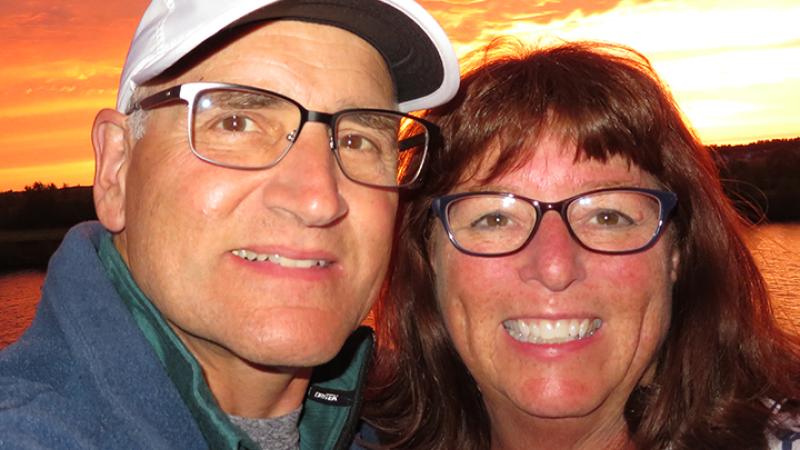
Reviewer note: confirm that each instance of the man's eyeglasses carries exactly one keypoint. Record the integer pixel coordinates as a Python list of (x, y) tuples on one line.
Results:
[(244, 127), (612, 221)]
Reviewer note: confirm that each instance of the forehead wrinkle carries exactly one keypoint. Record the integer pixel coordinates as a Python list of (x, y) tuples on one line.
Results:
[(326, 67), (355, 100), (294, 83)]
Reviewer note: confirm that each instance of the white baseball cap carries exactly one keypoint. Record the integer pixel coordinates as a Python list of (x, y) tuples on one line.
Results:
[(416, 49)]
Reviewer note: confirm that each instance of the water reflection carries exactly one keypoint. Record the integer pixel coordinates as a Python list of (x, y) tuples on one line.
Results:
[(776, 248), (19, 294)]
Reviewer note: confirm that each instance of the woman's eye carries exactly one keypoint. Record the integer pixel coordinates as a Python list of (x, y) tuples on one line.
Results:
[(236, 123), (494, 220), (611, 218)]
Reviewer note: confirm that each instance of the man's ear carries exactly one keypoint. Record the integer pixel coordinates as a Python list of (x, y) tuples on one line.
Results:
[(111, 157)]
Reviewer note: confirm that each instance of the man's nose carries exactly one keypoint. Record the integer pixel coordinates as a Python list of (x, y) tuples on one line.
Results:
[(306, 182), (552, 256)]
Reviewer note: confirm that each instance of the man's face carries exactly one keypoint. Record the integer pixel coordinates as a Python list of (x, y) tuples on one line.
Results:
[(186, 221)]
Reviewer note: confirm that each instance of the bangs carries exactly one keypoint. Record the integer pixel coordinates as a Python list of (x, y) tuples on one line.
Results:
[(603, 105)]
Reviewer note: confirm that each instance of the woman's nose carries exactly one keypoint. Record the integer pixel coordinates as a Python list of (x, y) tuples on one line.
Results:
[(552, 257)]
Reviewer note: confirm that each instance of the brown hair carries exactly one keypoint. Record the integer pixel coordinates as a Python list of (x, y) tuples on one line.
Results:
[(724, 356)]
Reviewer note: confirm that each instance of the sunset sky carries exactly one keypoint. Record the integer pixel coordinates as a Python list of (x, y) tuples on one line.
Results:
[(733, 65)]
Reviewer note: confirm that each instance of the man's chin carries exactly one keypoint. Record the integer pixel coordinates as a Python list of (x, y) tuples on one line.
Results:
[(292, 349)]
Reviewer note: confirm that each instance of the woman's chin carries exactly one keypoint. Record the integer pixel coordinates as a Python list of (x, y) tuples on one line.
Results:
[(559, 399)]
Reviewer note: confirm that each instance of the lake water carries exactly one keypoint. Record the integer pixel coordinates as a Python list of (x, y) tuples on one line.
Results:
[(19, 294), (776, 248)]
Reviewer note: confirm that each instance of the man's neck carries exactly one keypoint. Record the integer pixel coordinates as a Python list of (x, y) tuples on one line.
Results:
[(246, 389)]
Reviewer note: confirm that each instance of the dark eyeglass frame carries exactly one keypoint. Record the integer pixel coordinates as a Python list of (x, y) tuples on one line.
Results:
[(188, 93), (666, 201)]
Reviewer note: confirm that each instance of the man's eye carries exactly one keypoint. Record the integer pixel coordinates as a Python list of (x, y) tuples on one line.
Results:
[(236, 123), (493, 220), (355, 142)]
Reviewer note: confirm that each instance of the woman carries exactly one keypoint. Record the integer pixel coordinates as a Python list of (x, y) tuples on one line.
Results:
[(574, 277)]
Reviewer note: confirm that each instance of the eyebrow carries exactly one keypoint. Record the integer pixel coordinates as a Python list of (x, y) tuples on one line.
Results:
[(343, 104), (249, 99), (582, 187)]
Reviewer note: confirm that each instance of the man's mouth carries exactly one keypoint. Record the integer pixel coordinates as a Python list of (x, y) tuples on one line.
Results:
[(280, 260), (542, 331)]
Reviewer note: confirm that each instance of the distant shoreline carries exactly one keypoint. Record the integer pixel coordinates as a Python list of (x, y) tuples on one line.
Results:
[(761, 178), (20, 236), (28, 249), (33, 223)]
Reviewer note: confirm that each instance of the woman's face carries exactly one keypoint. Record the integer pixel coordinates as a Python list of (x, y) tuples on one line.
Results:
[(552, 282)]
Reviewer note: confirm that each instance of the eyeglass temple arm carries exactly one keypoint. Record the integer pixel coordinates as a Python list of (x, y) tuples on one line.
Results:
[(161, 98), (410, 142)]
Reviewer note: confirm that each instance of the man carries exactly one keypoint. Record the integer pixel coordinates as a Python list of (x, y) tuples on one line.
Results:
[(247, 190)]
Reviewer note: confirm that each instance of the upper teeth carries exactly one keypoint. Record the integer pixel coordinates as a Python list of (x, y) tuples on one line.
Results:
[(543, 331), (280, 260)]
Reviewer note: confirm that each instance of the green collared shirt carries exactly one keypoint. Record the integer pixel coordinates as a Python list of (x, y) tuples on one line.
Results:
[(330, 412)]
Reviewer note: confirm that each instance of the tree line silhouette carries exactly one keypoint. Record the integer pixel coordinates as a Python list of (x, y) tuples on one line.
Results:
[(45, 206), (762, 178)]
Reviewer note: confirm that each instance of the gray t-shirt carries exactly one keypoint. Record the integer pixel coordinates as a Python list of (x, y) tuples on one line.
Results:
[(274, 433)]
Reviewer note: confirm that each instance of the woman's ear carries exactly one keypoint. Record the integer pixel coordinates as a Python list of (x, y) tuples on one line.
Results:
[(111, 155), (675, 262)]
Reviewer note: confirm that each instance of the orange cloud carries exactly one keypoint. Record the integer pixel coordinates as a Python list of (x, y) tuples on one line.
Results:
[(72, 173), (61, 64), (469, 20), (733, 66)]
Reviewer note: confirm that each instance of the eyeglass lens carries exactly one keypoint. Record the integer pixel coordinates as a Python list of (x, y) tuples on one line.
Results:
[(254, 129), (608, 221)]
